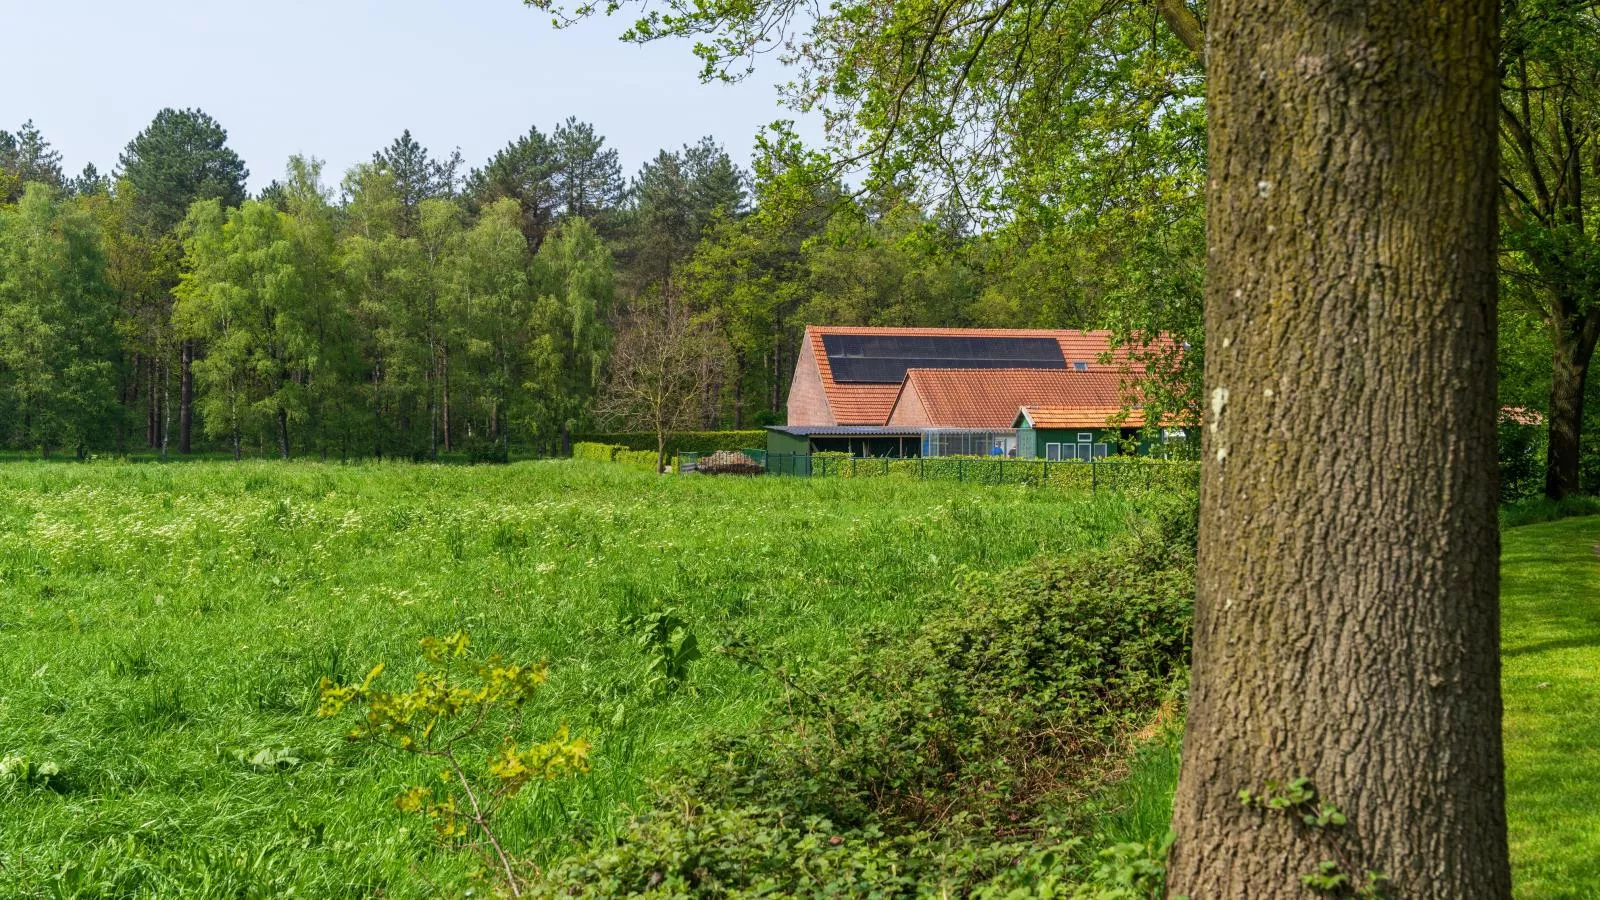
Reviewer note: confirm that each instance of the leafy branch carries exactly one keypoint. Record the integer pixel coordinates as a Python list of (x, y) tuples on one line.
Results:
[(444, 711), (1334, 877)]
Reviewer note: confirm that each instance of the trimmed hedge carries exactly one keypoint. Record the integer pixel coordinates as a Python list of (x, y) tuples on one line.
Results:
[(615, 453), (1123, 473), (681, 442), (639, 459), (594, 452)]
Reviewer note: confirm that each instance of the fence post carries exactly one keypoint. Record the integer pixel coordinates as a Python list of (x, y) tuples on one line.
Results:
[(1094, 475), (961, 470), (1002, 479)]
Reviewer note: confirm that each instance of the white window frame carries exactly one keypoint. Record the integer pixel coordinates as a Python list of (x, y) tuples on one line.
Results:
[(1052, 452), (1085, 437)]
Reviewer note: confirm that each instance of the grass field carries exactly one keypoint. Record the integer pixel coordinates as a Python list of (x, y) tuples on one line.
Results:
[(161, 626), (1550, 598)]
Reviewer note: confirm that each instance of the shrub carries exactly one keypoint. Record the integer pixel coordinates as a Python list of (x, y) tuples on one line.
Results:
[(479, 450), (595, 452), (1521, 460), (442, 718), (1542, 509), (638, 459), (927, 761), (1122, 473)]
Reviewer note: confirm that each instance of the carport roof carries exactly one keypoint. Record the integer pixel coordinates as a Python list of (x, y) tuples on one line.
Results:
[(845, 430)]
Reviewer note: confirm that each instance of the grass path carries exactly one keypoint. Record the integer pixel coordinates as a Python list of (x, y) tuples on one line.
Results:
[(1550, 602)]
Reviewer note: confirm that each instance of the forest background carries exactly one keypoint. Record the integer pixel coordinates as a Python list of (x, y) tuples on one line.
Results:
[(418, 306)]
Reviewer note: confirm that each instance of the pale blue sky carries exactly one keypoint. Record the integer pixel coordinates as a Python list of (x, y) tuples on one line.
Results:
[(338, 79)]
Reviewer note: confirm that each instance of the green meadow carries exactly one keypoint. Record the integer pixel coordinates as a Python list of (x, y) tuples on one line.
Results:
[(1550, 606), (163, 629)]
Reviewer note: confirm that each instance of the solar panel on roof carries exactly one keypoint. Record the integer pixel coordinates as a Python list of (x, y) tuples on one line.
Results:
[(884, 358)]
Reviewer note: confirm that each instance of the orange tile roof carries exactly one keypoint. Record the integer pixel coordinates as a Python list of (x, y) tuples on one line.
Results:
[(863, 403), (1084, 417), (990, 398)]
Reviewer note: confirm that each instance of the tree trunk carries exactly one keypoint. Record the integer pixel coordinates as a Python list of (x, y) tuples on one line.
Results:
[(1574, 348), (661, 450), (444, 372), (152, 419), (738, 390), (1347, 626), (283, 432), (186, 397)]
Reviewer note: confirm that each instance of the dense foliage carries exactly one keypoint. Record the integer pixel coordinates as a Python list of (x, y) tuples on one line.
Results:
[(419, 309), (936, 763)]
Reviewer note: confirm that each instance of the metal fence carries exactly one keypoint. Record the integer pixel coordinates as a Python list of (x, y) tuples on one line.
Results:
[(1090, 475)]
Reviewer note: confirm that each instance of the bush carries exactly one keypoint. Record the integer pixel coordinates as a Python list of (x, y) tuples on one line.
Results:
[(638, 459), (595, 452), (1122, 473), (1521, 460), (1533, 510), (927, 763), (483, 451), (681, 442)]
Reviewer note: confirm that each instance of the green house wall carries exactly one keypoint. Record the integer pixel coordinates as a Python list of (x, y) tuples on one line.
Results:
[(1045, 436), (781, 442)]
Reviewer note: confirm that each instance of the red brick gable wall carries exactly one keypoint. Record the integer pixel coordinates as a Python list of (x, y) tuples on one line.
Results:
[(808, 402), (909, 410)]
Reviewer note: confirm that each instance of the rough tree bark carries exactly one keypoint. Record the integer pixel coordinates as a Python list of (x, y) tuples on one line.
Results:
[(1347, 625)]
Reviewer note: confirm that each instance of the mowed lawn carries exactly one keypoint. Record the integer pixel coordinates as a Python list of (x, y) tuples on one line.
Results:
[(1550, 600), (162, 629)]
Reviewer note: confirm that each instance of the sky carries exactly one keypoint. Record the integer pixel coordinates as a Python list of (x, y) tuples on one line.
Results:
[(339, 79)]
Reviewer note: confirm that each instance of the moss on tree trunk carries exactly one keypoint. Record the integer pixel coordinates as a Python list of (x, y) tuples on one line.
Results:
[(1346, 627)]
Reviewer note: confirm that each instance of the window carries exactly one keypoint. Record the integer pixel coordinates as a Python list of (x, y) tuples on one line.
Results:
[(1085, 437), (1052, 452), (1069, 452), (1080, 366), (1101, 451)]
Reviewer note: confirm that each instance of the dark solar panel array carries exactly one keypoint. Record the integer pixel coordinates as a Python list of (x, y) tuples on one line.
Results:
[(884, 358)]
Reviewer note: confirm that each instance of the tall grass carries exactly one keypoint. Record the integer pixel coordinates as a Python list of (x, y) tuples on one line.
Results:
[(161, 626)]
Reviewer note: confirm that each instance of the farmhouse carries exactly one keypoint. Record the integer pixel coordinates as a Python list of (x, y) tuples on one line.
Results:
[(1055, 394)]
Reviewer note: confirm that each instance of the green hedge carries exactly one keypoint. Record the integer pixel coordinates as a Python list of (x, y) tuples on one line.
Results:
[(682, 442), (1122, 473), (639, 459), (598, 452), (594, 451)]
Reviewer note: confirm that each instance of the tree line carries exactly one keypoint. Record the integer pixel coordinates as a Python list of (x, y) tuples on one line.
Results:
[(420, 307), (1088, 212)]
